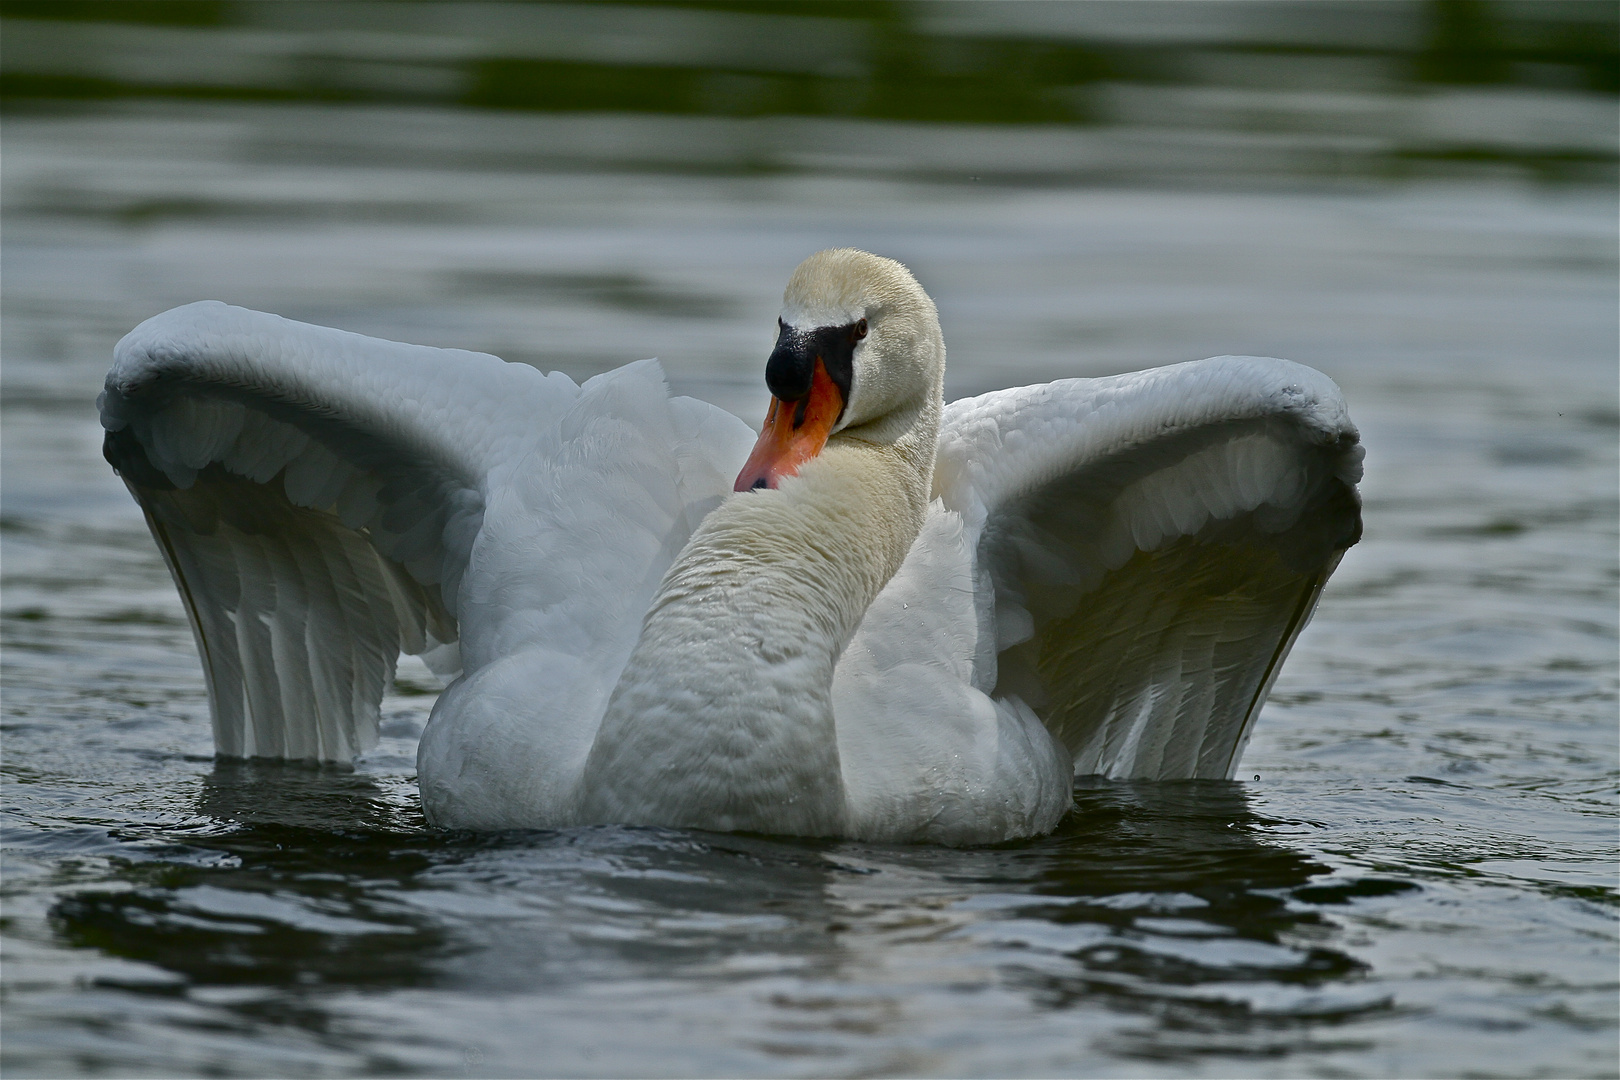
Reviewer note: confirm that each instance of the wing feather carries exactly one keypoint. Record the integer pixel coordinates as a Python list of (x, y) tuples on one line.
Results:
[(316, 495), (1153, 543)]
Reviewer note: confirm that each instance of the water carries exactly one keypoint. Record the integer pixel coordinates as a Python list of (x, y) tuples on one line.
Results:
[(1414, 876)]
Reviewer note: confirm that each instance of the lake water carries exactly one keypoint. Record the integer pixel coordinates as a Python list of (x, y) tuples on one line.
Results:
[(1415, 875)]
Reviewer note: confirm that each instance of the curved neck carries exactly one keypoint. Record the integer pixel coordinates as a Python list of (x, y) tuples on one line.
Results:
[(723, 717)]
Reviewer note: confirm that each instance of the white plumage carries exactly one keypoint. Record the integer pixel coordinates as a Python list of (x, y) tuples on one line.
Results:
[(1104, 578)]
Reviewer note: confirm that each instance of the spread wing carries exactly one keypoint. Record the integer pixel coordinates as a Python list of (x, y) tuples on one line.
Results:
[(318, 496), (1148, 548)]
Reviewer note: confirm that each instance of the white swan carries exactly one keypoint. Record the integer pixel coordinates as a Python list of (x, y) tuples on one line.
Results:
[(912, 622)]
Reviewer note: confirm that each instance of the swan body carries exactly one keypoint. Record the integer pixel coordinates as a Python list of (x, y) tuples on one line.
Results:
[(908, 622)]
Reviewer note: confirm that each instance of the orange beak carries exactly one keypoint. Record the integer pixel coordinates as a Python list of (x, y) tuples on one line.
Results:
[(794, 432)]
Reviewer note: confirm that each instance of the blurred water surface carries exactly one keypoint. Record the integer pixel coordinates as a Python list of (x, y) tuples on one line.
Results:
[(1414, 875)]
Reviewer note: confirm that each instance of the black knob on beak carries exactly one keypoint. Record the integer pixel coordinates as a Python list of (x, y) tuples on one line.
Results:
[(792, 364)]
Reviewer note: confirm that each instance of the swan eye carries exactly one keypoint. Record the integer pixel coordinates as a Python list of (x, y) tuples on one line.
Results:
[(860, 329)]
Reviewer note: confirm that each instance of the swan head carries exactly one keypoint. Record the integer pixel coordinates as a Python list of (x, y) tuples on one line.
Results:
[(858, 354)]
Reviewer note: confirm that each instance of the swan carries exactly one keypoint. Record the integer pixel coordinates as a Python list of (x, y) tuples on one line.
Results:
[(884, 617)]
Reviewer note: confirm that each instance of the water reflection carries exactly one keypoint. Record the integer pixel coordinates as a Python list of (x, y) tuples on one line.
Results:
[(1166, 902), (289, 898), (1216, 942), (268, 795)]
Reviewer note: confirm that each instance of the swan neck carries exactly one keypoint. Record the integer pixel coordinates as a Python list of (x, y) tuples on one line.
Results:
[(723, 716)]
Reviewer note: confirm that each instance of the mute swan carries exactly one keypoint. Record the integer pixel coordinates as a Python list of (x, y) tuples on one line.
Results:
[(910, 621)]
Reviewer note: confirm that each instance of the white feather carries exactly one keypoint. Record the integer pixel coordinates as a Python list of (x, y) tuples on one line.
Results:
[(1106, 582), (1154, 665)]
